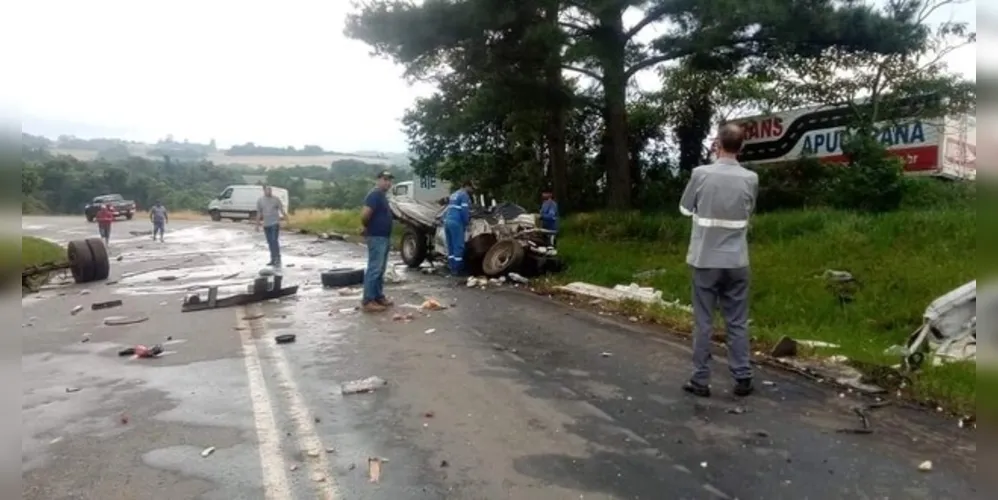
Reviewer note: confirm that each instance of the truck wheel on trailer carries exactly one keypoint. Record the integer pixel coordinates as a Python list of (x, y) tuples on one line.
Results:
[(414, 247), (505, 256)]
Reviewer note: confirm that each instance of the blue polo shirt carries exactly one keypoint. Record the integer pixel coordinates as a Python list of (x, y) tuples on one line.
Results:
[(381, 216)]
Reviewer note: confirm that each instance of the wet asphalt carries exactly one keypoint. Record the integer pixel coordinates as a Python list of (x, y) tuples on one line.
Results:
[(503, 395)]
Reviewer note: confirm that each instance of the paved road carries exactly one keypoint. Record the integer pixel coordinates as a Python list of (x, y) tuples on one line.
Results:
[(503, 395)]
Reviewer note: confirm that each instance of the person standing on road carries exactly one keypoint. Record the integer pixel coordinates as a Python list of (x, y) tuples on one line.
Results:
[(720, 198), (269, 213), (456, 218), (549, 214), (376, 218), (159, 218), (105, 217)]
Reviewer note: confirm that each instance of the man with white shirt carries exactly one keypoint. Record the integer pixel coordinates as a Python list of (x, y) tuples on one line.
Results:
[(720, 198)]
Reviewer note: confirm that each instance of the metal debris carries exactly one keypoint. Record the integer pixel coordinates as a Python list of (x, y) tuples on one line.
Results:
[(76, 310), (606, 354), (105, 305), (369, 384), (72, 389), (124, 320), (207, 451), (925, 466)]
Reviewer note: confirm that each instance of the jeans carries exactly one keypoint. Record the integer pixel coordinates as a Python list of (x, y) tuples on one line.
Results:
[(454, 234), (273, 243), (105, 230), (158, 227), (377, 262)]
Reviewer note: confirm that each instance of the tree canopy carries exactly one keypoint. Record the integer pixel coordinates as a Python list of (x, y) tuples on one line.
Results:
[(542, 92)]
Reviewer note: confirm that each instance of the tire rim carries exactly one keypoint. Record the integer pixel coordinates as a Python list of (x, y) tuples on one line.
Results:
[(409, 247), (499, 259)]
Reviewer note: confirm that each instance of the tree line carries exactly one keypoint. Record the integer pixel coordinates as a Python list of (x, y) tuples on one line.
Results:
[(542, 92), (64, 184)]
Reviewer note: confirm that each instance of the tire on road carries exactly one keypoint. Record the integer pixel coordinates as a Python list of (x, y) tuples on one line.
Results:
[(342, 276), (414, 247), (81, 261), (215, 215), (505, 256), (102, 263)]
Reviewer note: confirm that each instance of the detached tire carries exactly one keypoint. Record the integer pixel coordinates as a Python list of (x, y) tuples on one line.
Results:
[(102, 264), (81, 261), (414, 247), (343, 276), (505, 256)]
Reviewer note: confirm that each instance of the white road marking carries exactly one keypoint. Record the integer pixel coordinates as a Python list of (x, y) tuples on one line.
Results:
[(306, 433), (275, 479)]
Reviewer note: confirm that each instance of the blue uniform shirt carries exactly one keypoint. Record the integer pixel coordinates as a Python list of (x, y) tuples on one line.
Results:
[(381, 216), (549, 215), (459, 207)]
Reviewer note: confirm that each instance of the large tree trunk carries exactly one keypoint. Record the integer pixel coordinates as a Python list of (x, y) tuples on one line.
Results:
[(618, 168), (692, 131), (556, 120)]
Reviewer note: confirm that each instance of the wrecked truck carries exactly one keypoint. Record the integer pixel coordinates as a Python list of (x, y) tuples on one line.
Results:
[(499, 239)]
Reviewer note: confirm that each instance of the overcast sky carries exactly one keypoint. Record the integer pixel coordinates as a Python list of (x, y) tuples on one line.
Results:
[(275, 73)]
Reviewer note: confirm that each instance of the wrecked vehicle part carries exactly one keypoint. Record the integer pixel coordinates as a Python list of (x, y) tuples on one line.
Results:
[(502, 258), (342, 276), (274, 291), (424, 238), (948, 331)]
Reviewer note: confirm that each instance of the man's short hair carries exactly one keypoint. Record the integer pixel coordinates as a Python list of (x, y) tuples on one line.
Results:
[(730, 138)]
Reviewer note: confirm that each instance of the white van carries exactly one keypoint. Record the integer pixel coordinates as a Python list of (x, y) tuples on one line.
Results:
[(239, 201), (426, 189)]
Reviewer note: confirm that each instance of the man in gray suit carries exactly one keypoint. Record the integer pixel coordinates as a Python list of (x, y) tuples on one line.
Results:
[(720, 198)]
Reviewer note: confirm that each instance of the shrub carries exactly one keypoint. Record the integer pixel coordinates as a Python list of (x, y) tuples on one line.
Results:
[(872, 181)]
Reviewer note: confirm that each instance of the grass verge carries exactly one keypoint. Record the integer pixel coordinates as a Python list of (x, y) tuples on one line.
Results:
[(902, 261), (34, 251)]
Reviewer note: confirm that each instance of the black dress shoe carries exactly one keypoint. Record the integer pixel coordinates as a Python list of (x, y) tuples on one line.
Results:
[(743, 387), (697, 389)]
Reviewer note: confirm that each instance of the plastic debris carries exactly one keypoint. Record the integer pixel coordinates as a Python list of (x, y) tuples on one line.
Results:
[(369, 384), (925, 466), (207, 451), (432, 304), (76, 310), (430, 330), (518, 279), (124, 320)]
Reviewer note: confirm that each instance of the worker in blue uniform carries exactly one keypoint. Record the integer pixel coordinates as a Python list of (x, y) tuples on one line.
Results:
[(549, 214), (456, 220)]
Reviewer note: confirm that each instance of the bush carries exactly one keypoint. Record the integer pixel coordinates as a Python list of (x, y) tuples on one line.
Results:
[(800, 184), (872, 180)]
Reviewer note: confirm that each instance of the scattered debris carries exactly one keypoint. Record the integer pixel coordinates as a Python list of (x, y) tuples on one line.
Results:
[(761, 433), (207, 451), (444, 464), (785, 348), (168, 277), (123, 419), (124, 320), (119, 258), (286, 338), (72, 389), (253, 317), (817, 344), (737, 410), (432, 304), (473, 282), (949, 327), (105, 305), (374, 468), (768, 382), (703, 465), (403, 317), (76, 310), (128, 351), (312, 453), (369, 384), (620, 293), (429, 414), (633, 319), (142, 351), (293, 467), (85, 338), (84, 292), (606, 354), (516, 278), (925, 466), (318, 477), (430, 331)]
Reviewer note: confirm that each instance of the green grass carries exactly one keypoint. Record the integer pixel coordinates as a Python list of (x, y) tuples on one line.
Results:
[(902, 260), (345, 222), (35, 251)]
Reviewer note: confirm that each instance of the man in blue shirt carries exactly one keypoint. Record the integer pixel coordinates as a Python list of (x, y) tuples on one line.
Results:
[(549, 213), (456, 218), (377, 220)]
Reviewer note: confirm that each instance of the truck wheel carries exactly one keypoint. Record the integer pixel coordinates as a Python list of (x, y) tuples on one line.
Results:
[(342, 276), (81, 261), (414, 247), (475, 250), (102, 264), (129, 215), (505, 256), (215, 215)]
